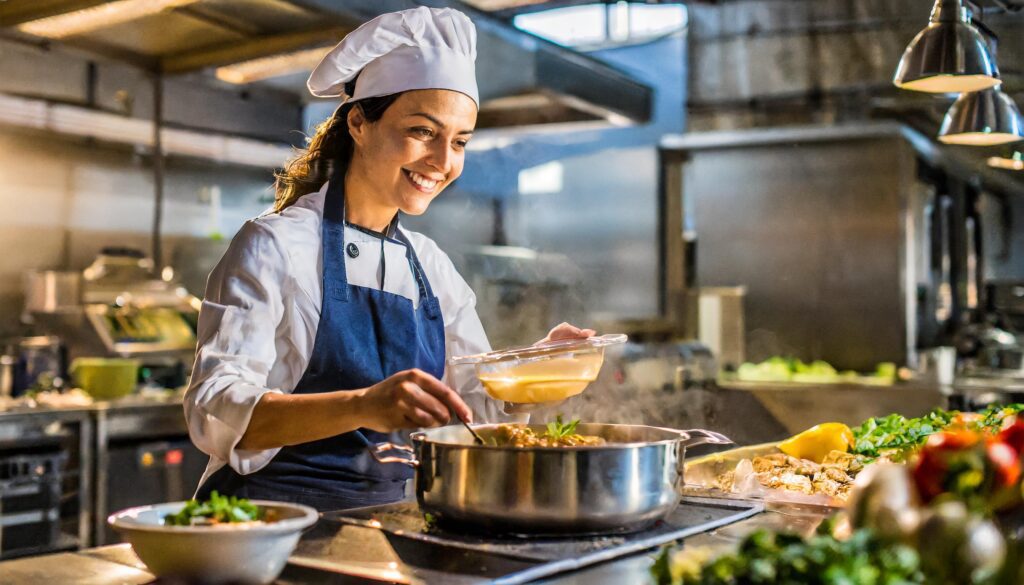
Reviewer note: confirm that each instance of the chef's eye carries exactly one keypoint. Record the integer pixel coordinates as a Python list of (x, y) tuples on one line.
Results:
[(422, 132), (460, 144)]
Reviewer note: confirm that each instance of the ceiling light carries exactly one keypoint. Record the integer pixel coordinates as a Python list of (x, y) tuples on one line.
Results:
[(273, 66), (1014, 163), (948, 56), (982, 118), (104, 15)]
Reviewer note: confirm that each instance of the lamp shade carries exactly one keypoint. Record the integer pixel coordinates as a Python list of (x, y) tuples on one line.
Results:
[(948, 56), (1010, 163), (982, 118)]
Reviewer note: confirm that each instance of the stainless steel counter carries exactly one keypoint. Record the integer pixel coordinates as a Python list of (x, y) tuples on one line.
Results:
[(118, 564), (86, 433)]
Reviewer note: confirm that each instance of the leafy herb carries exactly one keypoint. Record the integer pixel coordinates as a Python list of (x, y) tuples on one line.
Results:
[(896, 433), (429, 521), (558, 429), (218, 509), (768, 558), (992, 417)]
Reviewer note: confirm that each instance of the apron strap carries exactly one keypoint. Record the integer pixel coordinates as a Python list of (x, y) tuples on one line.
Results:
[(332, 234), (427, 298)]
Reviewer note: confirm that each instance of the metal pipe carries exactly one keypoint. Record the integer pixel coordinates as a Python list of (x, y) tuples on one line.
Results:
[(158, 170)]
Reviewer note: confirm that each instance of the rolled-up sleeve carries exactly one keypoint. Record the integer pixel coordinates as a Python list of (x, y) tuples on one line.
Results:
[(236, 332)]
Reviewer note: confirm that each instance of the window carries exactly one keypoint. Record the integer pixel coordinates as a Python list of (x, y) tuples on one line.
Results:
[(622, 23)]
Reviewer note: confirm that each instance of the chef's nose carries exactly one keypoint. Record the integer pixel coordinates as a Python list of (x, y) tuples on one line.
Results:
[(440, 157)]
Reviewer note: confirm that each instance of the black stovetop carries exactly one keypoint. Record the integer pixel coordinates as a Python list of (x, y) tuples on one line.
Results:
[(398, 538)]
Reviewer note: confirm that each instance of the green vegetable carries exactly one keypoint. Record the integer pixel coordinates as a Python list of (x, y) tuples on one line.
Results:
[(769, 558), (781, 369), (992, 417), (558, 429), (897, 433), (218, 509)]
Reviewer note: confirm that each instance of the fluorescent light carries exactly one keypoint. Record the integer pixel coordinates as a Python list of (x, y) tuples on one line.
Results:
[(97, 17), (273, 66)]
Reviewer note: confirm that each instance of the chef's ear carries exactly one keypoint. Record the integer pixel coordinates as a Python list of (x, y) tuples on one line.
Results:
[(357, 124)]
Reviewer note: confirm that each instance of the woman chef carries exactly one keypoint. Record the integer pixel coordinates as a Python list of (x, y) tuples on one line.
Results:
[(326, 326)]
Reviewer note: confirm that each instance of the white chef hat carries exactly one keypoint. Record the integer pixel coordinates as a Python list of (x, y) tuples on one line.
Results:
[(421, 48)]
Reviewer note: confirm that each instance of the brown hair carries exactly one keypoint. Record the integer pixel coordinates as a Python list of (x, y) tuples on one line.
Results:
[(330, 145)]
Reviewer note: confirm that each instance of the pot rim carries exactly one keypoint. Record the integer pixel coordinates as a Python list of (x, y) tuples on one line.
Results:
[(420, 437)]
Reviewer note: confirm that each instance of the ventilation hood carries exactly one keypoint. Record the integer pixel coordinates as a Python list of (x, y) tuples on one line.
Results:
[(272, 44)]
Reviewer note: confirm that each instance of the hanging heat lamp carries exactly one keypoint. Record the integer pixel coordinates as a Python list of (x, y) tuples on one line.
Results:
[(982, 118), (1014, 162), (949, 56)]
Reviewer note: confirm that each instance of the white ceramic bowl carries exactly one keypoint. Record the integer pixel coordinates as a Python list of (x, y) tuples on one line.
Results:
[(226, 553)]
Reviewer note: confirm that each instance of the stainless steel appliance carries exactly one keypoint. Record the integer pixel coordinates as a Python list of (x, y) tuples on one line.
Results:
[(522, 293), (38, 362), (622, 486), (123, 311), (394, 542)]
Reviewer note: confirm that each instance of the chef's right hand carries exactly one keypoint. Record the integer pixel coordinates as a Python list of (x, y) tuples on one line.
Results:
[(412, 399)]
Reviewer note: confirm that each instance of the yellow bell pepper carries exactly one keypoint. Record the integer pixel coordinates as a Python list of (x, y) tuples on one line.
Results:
[(818, 441)]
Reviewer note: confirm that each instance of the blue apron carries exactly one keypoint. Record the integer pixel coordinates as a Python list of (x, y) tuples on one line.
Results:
[(364, 336)]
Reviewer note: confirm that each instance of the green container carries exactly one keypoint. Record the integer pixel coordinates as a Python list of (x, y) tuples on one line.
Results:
[(105, 378)]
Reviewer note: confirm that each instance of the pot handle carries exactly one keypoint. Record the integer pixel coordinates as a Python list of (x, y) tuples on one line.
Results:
[(693, 437), (404, 453)]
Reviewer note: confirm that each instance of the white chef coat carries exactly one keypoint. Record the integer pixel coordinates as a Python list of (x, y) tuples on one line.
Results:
[(259, 319)]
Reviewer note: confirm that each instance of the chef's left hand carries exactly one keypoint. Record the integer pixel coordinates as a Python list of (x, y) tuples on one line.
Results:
[(567, 331)]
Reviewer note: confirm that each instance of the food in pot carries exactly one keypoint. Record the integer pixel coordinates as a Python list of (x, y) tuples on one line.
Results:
[(219, 511), (833, 477), (557, 434)]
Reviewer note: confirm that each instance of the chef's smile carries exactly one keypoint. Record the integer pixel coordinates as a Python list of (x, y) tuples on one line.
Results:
[(422, 183)]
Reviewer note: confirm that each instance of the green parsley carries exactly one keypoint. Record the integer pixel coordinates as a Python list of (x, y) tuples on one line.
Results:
[(217, 510), (558, 429)]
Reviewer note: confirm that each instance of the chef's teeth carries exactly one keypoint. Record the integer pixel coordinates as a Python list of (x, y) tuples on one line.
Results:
[(422, 181)]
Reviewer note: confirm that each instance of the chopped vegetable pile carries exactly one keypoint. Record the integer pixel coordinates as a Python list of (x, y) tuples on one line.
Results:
[(217, 510), (896, 434)]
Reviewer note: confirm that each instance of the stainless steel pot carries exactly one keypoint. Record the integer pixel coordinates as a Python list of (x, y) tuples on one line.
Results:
[(623, 486)]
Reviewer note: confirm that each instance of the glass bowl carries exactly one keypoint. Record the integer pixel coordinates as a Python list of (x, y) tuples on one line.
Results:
[(545, 372)]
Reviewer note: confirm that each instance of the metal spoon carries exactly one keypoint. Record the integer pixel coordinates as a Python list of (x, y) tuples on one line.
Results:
[(476, 437)]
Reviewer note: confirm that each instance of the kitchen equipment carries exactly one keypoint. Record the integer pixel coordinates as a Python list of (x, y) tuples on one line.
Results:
[(721, 323), (520, 291), (622, 486), (105, 378), (32, 362), (30, 500), (7, 365), (123, 311), (223, 554), (52, 291), (143, 470), (428, 553), (545, 372), (476, 437)]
